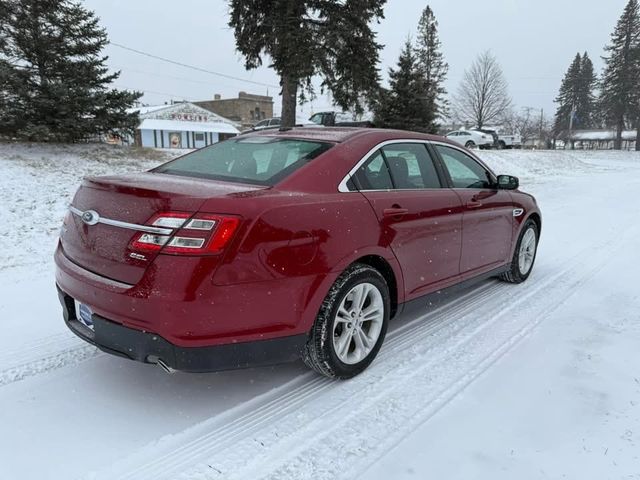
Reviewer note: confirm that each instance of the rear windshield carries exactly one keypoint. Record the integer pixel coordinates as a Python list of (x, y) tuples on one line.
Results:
[(258, 160)]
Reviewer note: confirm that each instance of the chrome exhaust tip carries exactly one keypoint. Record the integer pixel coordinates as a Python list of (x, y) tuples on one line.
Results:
[(164, 366)]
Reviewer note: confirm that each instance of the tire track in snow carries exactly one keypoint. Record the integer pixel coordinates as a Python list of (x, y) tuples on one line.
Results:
[(234, 424), (345, 449), (44, 356), (229, 446), (202, 441)]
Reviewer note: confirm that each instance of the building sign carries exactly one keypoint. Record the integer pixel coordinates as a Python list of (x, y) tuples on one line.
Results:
[(186, 112), (188, 117)]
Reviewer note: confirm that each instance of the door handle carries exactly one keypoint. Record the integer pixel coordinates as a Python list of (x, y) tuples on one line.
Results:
[(395, 212), (473, 204)]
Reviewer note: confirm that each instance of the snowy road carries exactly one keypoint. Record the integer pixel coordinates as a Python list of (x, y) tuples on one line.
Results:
[(534, 381)]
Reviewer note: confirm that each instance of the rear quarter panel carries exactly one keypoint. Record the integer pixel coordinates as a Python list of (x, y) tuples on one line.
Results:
[(313, 238)]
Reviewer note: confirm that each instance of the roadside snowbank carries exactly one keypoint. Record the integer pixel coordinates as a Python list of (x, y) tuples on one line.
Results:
[(38, 183)]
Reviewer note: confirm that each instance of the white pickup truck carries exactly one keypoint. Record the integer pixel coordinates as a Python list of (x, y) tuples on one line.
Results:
[(509, 141), (502, 141)]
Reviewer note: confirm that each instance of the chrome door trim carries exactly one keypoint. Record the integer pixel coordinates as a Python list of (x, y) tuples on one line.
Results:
[(120, 224)]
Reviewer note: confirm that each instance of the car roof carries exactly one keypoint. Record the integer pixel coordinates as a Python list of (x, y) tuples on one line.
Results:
[(343, 134)]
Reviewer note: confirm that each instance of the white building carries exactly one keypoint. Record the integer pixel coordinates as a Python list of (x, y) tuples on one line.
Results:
[(602, 139), (181, 125)]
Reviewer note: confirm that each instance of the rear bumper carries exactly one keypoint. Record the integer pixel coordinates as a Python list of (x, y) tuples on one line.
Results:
[(178, 301), (147, 347)]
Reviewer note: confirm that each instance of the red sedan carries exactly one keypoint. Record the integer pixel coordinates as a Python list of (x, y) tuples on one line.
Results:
[(285, 244)]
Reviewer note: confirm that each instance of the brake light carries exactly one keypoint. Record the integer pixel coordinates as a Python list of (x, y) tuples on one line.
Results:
[(199, 234)]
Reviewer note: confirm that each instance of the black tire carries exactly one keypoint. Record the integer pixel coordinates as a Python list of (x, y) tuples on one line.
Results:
[(514, 275), (501, 145), (470, 144), (319, 353)]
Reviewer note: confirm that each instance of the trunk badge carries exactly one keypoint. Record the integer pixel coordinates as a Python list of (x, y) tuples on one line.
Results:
[(137, 256), (90, 217)]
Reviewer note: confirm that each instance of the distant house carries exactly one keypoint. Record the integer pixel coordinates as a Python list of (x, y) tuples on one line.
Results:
[(181, 125), (248, 109), (602, 139)]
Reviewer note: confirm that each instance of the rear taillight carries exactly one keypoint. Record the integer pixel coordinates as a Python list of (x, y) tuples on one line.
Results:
[(199, 234)]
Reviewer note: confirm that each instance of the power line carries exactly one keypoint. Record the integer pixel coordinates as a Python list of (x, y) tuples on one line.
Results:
[(170, 95), (192, 67), (161, 75)]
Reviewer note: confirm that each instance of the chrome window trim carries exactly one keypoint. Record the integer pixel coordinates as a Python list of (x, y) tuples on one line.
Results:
[(128, 226), (342, 186)]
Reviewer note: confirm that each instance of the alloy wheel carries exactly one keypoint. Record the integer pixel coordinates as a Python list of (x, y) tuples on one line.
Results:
[(527, 251), (358, 323)]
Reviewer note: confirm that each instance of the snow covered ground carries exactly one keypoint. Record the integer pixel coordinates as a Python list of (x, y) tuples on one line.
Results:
[(534, 381)]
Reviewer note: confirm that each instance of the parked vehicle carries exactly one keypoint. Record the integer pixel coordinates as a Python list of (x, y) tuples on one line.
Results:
[(501, 141), (509, 141), (277, 245), (471, 138), (338, 119), (267, 123), (275, 122)]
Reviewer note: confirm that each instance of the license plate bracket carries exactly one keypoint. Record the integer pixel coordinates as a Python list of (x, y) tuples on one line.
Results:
[(84, 315)]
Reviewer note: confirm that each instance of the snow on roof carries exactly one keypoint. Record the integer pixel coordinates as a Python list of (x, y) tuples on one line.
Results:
[(180, 126), (603, 135), (183, 111), (147, 109)]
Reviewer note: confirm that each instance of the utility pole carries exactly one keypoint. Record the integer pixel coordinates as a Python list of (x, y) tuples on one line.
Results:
[(541, 125), (573, 114)]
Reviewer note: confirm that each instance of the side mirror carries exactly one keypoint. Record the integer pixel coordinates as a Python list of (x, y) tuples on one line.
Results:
[(507, 182)]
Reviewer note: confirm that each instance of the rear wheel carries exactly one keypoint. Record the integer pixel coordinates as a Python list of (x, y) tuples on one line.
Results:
[(501, 145), (470, 144), (351, 325), (525, 255)]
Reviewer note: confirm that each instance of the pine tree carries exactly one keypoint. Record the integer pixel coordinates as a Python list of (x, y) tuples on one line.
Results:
[(621, 77), (428, 47), (568, 99), (586, 101), (406, 105), (576, 98), (53, 77), (305, 38), (634, 115)]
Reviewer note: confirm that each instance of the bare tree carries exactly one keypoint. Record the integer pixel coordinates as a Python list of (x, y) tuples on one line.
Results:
[(483, 95), (523, 123)]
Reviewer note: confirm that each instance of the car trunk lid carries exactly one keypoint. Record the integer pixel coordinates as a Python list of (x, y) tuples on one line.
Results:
[(105, 248)]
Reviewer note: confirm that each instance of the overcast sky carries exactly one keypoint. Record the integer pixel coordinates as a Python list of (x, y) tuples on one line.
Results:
[(534, 40)]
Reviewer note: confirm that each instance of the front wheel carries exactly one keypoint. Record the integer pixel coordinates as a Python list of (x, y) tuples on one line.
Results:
[(525, 254), (351, 325), (470, 144)]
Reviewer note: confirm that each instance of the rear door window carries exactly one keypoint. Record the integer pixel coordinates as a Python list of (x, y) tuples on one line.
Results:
[(374, 174), (411, 166)]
